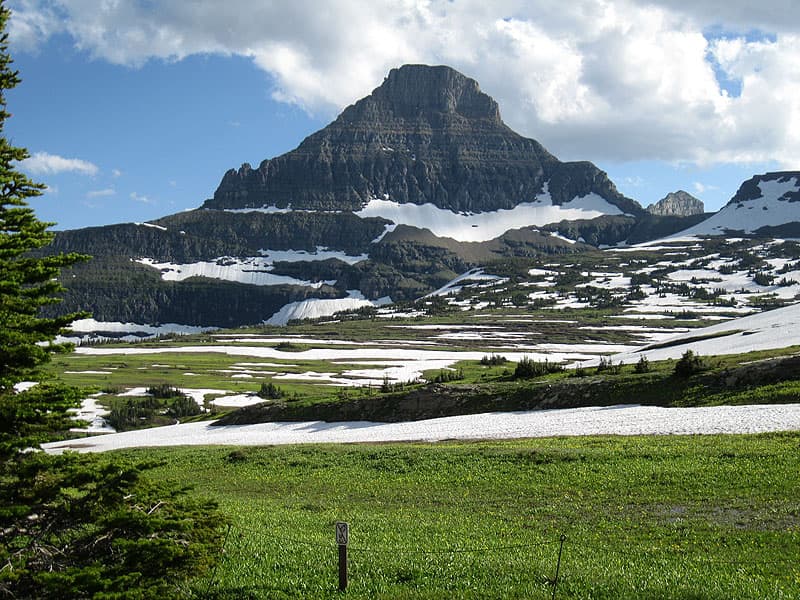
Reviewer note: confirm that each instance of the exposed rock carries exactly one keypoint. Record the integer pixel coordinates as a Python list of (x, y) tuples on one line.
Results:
[(426, 135), (677, 204)]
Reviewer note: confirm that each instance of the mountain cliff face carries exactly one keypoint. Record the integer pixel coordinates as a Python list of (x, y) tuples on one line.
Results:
[(426, 135), (677, 204)]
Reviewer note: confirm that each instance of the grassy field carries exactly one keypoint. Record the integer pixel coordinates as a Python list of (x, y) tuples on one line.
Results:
[(702, 517)]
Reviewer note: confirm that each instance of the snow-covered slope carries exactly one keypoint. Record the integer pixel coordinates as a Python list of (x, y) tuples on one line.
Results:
[(616, 420), (769, 200), (779, 328), (315, 308), (485, 226)]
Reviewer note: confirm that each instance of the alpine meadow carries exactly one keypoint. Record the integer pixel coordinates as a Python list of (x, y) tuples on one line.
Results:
[(416, 354)]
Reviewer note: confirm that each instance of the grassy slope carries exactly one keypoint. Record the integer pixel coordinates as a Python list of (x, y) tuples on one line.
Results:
[(704, 517)]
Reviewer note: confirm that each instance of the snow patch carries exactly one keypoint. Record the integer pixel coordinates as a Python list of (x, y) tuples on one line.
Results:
[(252, 271), (609, 420), (485, 226), (154, 226), (316, 307)]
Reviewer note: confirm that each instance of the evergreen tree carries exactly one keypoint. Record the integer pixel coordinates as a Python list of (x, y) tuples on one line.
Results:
[(71, 526), (27, 283)]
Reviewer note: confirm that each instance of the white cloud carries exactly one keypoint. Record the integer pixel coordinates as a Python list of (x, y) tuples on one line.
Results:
[(101, 193), (116, 173), (44, 163), (700, 187), (141, 198), (591, 79), (31, 22)]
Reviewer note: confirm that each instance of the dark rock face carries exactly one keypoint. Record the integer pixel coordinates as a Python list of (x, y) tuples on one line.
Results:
[(750, 189), (677, 204), (426, 135)]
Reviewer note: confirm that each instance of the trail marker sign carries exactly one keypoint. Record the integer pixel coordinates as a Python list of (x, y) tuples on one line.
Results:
[(342, 537), (342, 533)]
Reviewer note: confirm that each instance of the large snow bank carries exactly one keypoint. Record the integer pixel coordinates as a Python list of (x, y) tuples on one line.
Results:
[(316, 308), (779, 328), (484, 226), (253, 271), (612, 420)]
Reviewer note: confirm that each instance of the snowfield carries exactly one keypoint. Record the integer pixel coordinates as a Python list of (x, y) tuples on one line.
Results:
[(613, 420), (779, 328), (485, 226), (314, 308), (252, 271)]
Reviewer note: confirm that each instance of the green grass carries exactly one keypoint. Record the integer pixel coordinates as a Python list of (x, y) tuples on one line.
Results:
[(702, 517)]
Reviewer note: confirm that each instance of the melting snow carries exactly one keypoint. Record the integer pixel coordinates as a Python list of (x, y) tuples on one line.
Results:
[(253, 271), (315, 308), (485, 226), (320, 254), (151, 225), (779, 328), (612, 420)]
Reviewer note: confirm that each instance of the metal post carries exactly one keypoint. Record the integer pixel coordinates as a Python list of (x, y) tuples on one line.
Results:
[(342, 539), (342, 567), (558, 564)]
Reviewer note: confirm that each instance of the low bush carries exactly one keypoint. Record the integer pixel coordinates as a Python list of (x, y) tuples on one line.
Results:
[(528, 368), (689, 364)]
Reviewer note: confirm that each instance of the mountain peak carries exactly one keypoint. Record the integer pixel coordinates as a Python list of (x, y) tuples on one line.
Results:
[(414, 89), (679, 204), (426, 135)]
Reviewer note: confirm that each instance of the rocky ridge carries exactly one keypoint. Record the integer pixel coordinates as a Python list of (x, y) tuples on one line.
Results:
[(677, 204)]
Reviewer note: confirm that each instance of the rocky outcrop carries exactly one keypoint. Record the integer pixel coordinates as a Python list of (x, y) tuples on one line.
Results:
[(677, 204), (426, 135)]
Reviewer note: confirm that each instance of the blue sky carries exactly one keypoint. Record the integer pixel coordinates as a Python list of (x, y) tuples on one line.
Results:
[(160, 136), (135, 110)]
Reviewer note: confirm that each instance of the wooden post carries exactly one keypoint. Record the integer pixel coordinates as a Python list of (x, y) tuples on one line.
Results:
[(342, 539)]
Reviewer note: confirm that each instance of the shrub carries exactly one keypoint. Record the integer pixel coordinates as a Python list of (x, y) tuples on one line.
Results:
[(762, 278), (493, 360), (643, 366), (164, 390), (689, 364), (183, 406), (270, 391), (527, 368)]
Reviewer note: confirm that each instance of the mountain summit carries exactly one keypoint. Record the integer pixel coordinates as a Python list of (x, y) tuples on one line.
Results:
[(677, 204), (426, 135)]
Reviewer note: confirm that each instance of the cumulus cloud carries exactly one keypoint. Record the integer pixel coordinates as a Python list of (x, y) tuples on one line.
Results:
[(44, 163), (597, 79), (700, 187), (101, 193), (141, 198)]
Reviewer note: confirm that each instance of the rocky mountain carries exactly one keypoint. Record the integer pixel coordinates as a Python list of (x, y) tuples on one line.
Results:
[(677, 204), (426, 135), (408, 188)]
